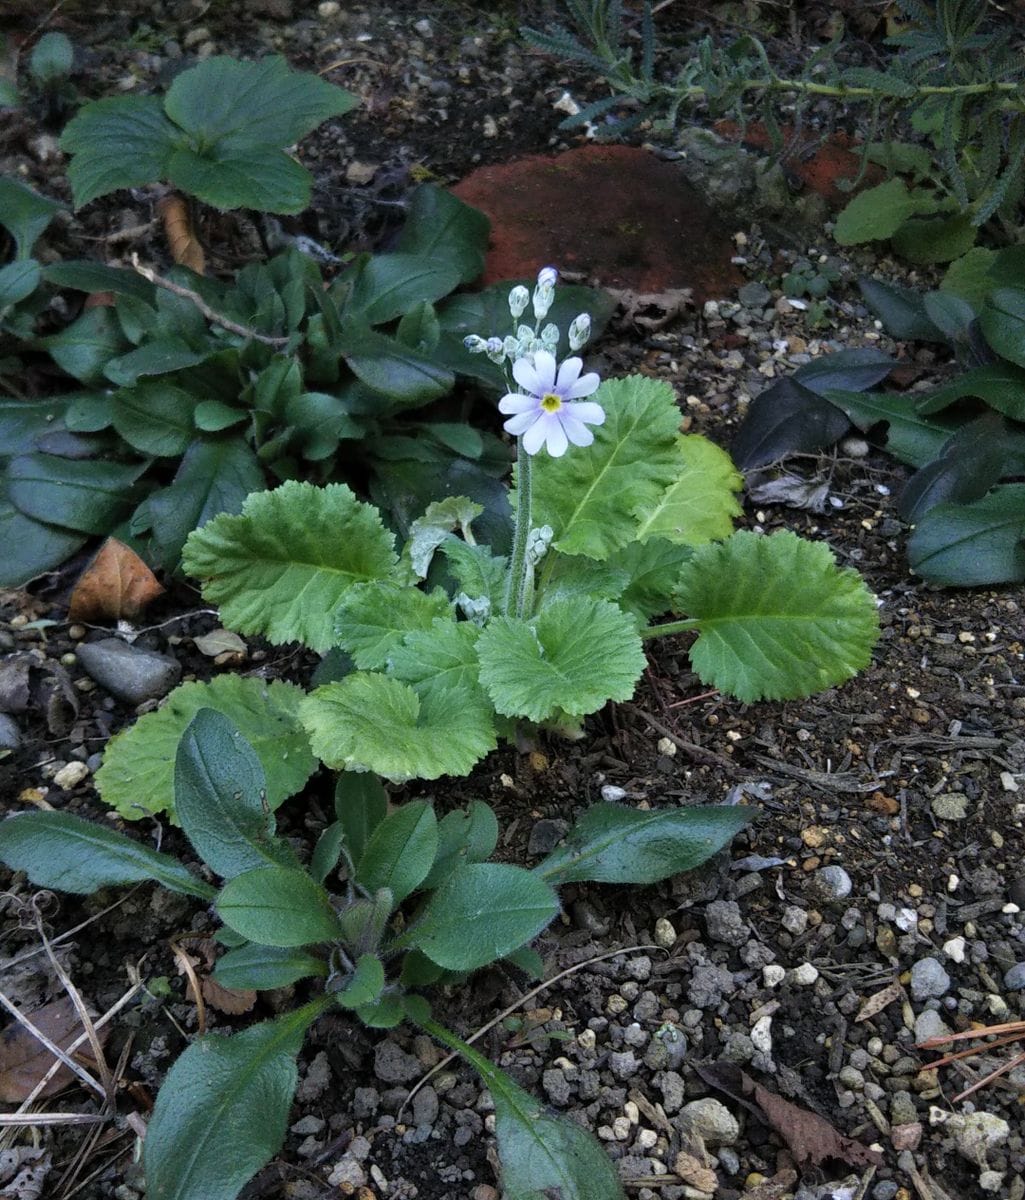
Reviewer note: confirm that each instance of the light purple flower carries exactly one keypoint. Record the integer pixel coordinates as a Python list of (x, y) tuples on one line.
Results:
[(549, 414)]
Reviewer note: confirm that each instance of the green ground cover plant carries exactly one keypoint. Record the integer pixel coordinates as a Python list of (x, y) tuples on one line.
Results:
[(416, 904), (965, 438)]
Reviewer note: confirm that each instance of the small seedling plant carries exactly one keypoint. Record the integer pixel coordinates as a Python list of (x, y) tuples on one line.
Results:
[(965, 438), (390, 903), (434, 652)]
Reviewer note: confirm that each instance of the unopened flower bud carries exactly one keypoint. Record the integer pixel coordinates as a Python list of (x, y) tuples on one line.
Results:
[(538, 541), (519, 298), (475, 344), (579, 330), (511, 347), (550, 337), (476, 609), (495, 349), (544, 293), (547, 277)]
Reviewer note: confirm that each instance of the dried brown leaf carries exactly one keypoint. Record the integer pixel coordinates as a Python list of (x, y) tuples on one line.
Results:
[(809, 1137), (231, 1001), (651, 310), (181, 238), (875, 1004), (24, 1060), (691, 1170), (116, 585)]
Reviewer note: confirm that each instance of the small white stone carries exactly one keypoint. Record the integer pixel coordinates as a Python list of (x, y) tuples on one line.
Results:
[(954, 949), (665, 933), (329, 8), (621, 1128), (667, 747), (489, 127), (804, 975), (761, 1035), (991, 1181), (773, 975), (646, 1139), (71, 775), (587, 1039), (612, 794), (1008, 781)]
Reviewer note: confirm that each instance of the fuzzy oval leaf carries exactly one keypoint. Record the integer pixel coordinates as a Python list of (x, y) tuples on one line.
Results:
[(400, 851), (18, 280), (361, 804), (57, 850), (373, 618), (137, 775), (154, 418), (876, 213), (596, 496), (278, 906), (971, 545), (469, 836), (266, 967), (574, 656), (366, 984), (281, 566), (481, 913), (31, 547), (220, 797), (615, 844), (89, 496), (373, 723), (1002, 320), (935, 239), (222, 1111), (777, 618), (701, 505)]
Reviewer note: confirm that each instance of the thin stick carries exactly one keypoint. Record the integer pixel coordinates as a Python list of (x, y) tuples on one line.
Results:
[(995, 1074), (513, 1007), (214, 318)]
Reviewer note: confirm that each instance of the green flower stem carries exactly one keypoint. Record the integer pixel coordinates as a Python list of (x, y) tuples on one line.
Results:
[(667, 630), (517, 586)]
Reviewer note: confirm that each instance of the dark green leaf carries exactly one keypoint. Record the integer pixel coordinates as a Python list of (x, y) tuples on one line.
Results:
[(463, 837), (220, 798), (88, 276), (1002, 320), (159, 357), (24, 214), (22, 422), (154, 417), (91, 497), (967, 467), (59, 851), (615, 844), (278, 906), (387, 366), (935, 239), (85, 347), (400, 851), (363, 922), (972, 545), (901, 310), (52, 58), (242, 176), (18, 280), (366, 984), (419, 328), (213, 416), (31, 547), (222, 1111), (267, 967), (327, 851), (787, 418), (1001, 385), (119, 142), (388, 285), (361, 804), (855, 370), (482, 912), (320, 421), (912, 438), (950, 314), (441, 227)]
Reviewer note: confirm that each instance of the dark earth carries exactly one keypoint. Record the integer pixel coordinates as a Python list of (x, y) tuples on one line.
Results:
[(887, 859)]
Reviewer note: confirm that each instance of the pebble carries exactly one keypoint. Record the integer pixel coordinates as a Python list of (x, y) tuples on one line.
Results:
[(393, 1065), (929, 979), (773, 975), (10, 735), (71, 775), (950, 806), (546, 835), (1014, 977), (795, 920), (725, 924), (831, 883), (754, 295), (665, 933), (930, 1024), (804, 975), (955, 949), (712, 1121), (347, 1171), (128, 672)]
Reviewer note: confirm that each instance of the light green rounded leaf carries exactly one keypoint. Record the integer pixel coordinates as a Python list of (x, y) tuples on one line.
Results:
[(573, 657), (280, 567), (776, 617), (482, 912), (137, 775), (875, 213), (596, 496), (373, 618), (370, 722), (700, 506), (278, 906), (222, 1111), (438, 659)]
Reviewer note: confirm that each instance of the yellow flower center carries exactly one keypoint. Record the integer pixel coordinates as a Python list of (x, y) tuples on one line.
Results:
[(550, 402)]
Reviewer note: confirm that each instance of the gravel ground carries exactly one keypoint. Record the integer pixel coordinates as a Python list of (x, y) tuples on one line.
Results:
[(876, 902)]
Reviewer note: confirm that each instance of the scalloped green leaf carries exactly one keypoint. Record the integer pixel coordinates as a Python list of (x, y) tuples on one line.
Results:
[(442, 518), (573, 657), (137, 775), (596, 496), (373, 618), (776, 617), (438, 659), (701, 505), (651, 569), (282, 565), (373, 723)]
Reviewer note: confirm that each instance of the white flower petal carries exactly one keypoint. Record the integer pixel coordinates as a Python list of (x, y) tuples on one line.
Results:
[(591, 413), (544, 366), (534, 437), (556, 439), (584, 386), (526, 376), (575, 430), (521, 422), (568, 373), (515, 402)]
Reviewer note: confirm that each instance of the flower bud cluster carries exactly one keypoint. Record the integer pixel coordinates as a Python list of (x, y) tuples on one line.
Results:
[(474, 609), (538, 541), (527, 340)]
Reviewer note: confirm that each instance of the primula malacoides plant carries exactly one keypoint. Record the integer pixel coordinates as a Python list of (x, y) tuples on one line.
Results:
[(439, 646)]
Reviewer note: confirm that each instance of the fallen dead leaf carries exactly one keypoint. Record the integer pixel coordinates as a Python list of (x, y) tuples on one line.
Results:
[(875, 1004), (23, 1171), (691, 1170), (811, 1139), (231, 1001), (181, 237), (116, 585), (24, 1060), (220, 641), (651, 310)]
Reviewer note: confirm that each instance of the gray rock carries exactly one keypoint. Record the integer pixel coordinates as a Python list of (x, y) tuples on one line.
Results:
[(425, 1107), (712, 1121), (366, 1101), (885, 1190), (557, 1087), (725, 924), (929, 979), (754, 295), (10, 734), (831, 883), (308, 1124), (930, 1024), (546, 835), (708, 985), (624, 1064), (794, 920), (950, 806), (393, 1065), (128, 672), (1014, 977), (670, 1084)]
